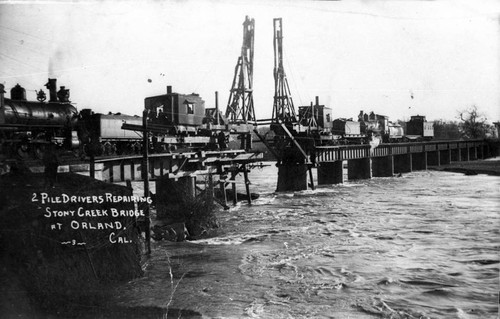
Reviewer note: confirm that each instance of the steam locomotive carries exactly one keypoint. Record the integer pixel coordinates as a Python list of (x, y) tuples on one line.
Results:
[(380, 126), (26, 127)]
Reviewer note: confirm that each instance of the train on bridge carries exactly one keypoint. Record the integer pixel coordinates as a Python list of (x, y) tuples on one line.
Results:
[(174, 120), (318, 120)]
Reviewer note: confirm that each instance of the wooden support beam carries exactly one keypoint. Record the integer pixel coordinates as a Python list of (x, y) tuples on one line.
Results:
[(263, 140), (182, 165), (92, 166), (309, 168), (224, 195), (294, 141), (247, 184), (189, 173), (235, 194)]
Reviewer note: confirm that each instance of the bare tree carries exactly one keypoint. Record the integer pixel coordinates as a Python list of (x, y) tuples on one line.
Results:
[(473, 123)]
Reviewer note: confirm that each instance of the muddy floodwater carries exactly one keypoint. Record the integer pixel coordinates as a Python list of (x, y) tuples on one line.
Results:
[(425, 245)]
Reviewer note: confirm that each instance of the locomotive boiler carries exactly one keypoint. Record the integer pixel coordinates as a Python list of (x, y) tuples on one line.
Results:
[(26, 127)]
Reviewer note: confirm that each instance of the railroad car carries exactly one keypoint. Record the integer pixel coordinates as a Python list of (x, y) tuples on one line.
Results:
[(347, 131), (182, 121), (395, 133), (328, 131), (418, 129), (321, 119), (104, 135), (318, 120), (182, 113)]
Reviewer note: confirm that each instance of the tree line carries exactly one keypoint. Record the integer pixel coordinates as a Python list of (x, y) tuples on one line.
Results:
[(470, 124)]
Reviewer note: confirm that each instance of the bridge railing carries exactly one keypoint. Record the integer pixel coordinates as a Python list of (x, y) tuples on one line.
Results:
[(347, 152), (341, 152)]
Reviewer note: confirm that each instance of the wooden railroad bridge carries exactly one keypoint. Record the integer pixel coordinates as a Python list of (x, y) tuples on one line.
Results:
[(335, 164), (186, 168)]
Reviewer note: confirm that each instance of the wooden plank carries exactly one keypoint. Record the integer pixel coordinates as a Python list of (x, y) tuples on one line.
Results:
[(189, 173), (294, 141)]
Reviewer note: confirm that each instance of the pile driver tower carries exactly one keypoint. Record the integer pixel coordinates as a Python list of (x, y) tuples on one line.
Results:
[(283, 108), (240, 108), (292, 145)]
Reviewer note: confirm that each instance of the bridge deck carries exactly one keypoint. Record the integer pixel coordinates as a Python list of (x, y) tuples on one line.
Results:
[(173, 165), (350, 152)]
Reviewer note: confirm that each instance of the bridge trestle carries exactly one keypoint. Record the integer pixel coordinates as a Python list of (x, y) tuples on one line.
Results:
[(336, 164)]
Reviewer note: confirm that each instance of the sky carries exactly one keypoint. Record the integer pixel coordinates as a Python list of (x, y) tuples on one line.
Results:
[(397, 58)]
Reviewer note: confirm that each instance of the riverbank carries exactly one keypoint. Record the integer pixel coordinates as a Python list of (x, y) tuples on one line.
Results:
[(63, 248), (489, 166)]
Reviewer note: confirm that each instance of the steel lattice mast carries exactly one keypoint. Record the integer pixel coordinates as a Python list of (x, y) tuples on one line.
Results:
[(283, 108), (240, 104)]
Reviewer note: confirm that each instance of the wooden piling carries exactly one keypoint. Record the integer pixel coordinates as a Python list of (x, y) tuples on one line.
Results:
[(233, 182), (247, 184)]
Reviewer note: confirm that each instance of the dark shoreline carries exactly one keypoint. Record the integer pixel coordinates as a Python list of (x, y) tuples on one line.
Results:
[(488, 167)]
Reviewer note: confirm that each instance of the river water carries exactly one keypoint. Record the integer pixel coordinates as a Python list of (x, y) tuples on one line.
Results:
[(425, 245)]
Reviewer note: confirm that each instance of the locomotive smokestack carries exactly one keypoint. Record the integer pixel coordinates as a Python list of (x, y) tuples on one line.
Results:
[(169, 89), (52, 87)]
